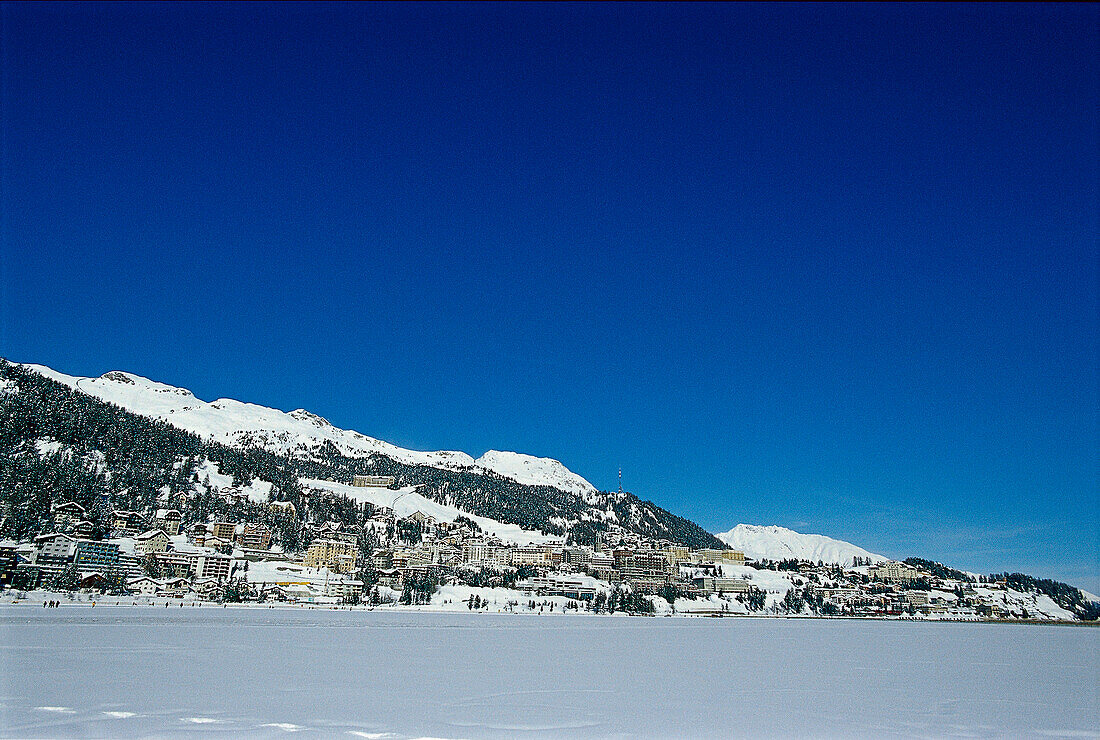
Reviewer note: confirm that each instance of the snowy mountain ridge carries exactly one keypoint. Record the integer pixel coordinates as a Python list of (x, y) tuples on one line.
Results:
[(778, 543), (298, 432), (301, 433)]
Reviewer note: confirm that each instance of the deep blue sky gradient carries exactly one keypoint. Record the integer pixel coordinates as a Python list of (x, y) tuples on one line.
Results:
[(830, 267)]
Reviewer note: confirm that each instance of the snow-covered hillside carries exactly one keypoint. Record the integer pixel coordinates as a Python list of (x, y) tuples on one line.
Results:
[(778, 543), (298, 432), (406, 501)]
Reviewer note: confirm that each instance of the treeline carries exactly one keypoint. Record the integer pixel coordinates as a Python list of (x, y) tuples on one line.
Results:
[(1064, 595), (59, 445), (939, 570)]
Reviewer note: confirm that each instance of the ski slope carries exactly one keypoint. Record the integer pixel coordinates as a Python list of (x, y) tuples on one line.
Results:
[(406, 501)]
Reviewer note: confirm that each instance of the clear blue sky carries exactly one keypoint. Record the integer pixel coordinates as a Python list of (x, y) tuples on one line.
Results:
[(830, 267)]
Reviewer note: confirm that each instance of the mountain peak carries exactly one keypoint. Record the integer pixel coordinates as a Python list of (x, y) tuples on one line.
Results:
[(118, 377), (535, 471), (309, 416), (773, 542)]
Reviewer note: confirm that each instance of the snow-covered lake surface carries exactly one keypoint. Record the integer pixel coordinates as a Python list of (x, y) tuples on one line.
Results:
[(80, 671)]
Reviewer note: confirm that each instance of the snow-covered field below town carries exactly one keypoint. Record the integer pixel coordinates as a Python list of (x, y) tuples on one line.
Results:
[(115, 671)]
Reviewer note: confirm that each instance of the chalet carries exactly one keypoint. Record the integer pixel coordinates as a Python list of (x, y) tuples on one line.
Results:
[(67, 514), (285, 507), (177, 587), (143, 585), (389, 577), (169, 520), (382, 559), (83, 529), (217, 543), (208, 588), (338, 532), (127, 522), (254, 537), (197, 534), (93, 579), (420, 518)]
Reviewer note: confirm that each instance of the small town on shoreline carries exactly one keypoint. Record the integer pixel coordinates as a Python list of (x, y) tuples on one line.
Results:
[(418, 560)]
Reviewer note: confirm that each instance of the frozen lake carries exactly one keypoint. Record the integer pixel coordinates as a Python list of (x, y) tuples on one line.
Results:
[(144, 671)]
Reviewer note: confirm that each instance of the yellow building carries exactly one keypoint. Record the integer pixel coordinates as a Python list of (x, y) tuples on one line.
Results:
[(677, 554), (337, 556), (362, 481), (733, 557)]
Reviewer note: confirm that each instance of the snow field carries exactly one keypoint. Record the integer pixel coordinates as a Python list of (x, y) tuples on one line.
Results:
[(256, 672)]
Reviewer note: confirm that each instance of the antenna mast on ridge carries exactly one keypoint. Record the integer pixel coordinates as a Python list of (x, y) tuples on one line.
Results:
[(620, 480)]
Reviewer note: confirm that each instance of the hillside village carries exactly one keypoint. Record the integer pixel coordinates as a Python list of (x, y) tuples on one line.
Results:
[(423, 561), (98, 499)]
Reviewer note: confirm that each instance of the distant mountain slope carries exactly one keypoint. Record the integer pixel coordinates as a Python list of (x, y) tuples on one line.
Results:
[(778, 543), (298, 432), (153, 440)]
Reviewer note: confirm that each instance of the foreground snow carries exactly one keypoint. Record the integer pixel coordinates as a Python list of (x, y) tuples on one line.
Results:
[(140, 671)]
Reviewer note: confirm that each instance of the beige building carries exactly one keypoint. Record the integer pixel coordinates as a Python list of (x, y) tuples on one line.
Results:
[(646, 569), (730, 557), (893, 572), (155, 540), (677, 554), (212, 565), (335, 555), (254, 537), (538, 555), (169, 520), (194, 563), (601, 565), (363, 481)]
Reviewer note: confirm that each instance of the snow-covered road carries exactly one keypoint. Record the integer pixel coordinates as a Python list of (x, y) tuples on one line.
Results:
[(148, 671)]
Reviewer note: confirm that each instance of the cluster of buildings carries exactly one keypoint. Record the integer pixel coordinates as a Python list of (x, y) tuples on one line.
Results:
[(157, 555), (447, 549), (141, 554)]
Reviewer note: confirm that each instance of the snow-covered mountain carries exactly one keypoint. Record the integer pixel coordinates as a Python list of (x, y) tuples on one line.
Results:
[(298, 432), (779, 543)]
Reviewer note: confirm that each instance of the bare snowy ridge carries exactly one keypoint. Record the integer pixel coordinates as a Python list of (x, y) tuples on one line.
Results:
[(299, 432), (778, 543)]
